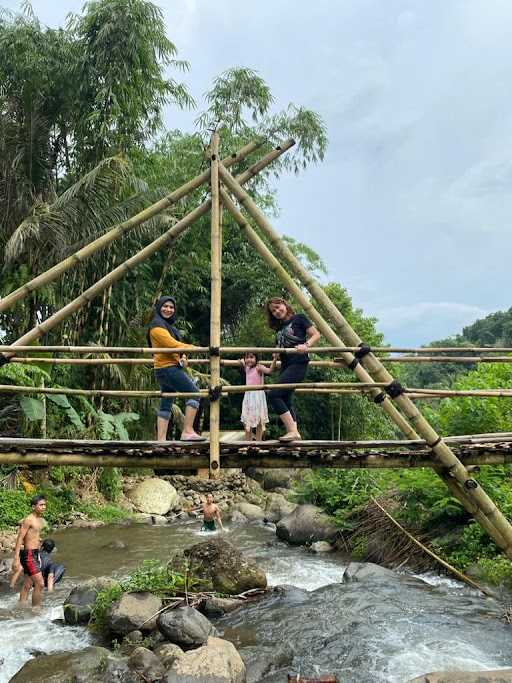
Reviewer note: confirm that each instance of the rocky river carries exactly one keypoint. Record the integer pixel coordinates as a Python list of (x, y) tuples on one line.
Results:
[(382, 627)]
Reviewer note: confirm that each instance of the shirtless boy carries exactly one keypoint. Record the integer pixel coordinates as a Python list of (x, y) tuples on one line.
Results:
[(211, 513), (26, 552)]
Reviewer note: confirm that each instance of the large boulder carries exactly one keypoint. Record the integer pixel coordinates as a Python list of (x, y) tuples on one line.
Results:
[(133, 611), (277, 507), (220, 566), (153, 496), (306, 524), (366, 571), (250, 511), (216, 662), (92, 665), (496, 676), (185, 627)]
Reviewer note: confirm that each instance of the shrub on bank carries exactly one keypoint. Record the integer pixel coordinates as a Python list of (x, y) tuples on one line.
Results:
[(152, 576), (62, 504), (423, 504)]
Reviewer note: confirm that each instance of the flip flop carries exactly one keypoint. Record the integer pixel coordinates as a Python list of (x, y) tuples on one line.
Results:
[(193, 438)]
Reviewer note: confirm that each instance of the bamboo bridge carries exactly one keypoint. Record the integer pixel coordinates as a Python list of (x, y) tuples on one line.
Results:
[(472, 451), (454, 459)]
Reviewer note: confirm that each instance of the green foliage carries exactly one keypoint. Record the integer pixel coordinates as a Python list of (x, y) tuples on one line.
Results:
[(110, 483), (465, 415), (472, 546), (497, 570), (14, 506), (151, 576), (339, 492), (110, 514)]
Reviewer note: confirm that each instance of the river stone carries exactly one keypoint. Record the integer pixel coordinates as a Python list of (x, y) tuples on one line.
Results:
[(142, 518), (496, 676), (250, 511), (221, 567), (217, 607), (277, 507), (146, 664), (79, 604), (159, 520), (321, 547), (260, 660), (132, 612), (154, 496), (238, 519), (276, 477), (168, 653), (306, 524), (216, 662), (185, 627), (92, 665), (367, 571)]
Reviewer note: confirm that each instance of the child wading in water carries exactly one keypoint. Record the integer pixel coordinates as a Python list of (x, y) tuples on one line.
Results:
[(211, 514), (254, 406)]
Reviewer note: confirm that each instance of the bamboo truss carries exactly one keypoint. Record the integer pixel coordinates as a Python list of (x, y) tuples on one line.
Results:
[(373, 377), (453, 473)]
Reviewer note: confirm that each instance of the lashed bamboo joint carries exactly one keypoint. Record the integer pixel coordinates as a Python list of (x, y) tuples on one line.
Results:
[(346, 347)]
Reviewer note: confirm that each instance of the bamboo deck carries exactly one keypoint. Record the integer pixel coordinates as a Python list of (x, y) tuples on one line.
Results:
[(180, 455)]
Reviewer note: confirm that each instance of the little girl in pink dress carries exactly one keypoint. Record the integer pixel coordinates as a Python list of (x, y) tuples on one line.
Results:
[(254, 406)]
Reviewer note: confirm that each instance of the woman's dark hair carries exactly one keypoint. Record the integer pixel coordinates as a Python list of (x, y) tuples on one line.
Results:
[(48, 545), (37, 499), (275, 323)]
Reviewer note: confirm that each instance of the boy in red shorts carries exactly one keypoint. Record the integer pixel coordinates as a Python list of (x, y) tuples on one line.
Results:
[(26, 552)]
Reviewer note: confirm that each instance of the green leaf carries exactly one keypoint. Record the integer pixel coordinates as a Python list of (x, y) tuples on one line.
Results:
[(33, 408), (60, 400)]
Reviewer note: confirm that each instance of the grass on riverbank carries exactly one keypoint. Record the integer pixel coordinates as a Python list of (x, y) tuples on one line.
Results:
[(63, 505)]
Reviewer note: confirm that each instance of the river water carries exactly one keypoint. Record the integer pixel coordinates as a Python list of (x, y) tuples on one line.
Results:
[(380, 631)]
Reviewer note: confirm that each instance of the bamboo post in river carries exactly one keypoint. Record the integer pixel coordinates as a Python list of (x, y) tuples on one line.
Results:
[(215, 310), (451, 470)]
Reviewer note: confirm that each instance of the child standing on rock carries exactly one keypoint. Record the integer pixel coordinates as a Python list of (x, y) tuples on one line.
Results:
[(254, 406)]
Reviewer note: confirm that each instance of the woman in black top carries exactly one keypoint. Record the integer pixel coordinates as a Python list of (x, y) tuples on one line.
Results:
[(294, 330)]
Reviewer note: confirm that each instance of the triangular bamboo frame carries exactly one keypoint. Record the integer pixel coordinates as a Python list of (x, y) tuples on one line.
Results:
[(369, 369)]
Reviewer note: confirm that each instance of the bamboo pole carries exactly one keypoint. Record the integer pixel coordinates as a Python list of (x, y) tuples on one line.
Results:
[(119, 272), (215, 306), (117, 231), (473, 497), (270, 459), (117, 393), (227, 350)]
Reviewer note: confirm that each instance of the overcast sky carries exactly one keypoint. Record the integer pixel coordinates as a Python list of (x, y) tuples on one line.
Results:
[(411, 208)]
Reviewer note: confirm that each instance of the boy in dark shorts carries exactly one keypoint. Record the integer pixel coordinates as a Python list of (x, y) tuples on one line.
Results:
[(211, 513), (26, 552)]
